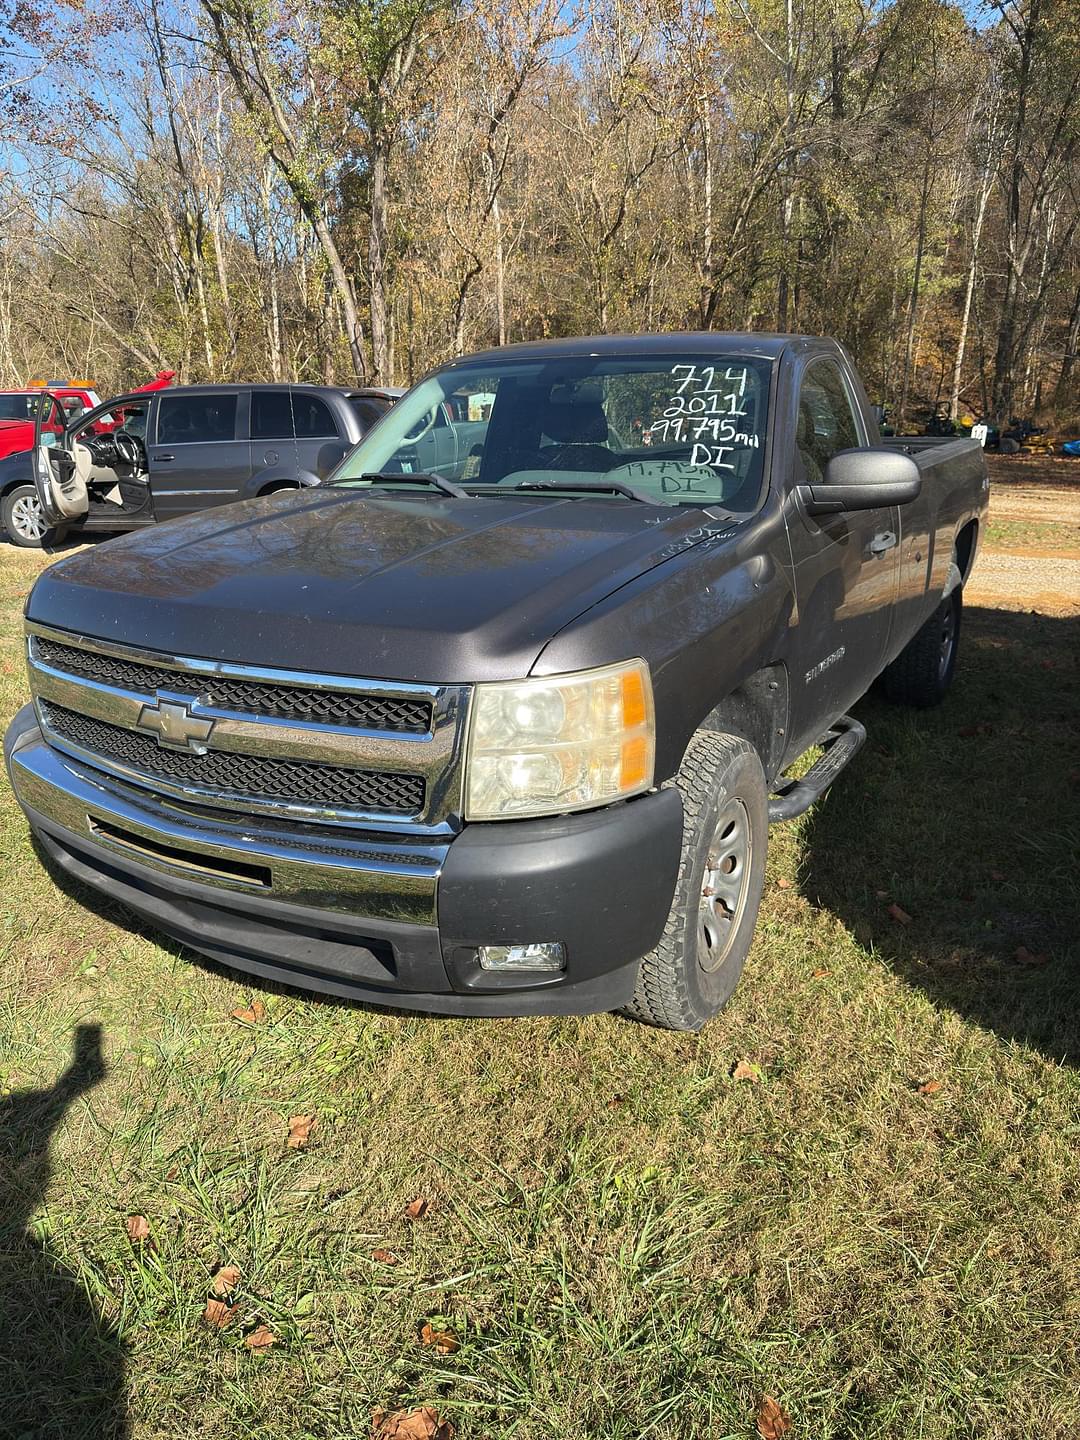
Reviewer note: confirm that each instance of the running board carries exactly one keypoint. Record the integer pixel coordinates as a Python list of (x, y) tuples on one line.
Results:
[(792, 797)]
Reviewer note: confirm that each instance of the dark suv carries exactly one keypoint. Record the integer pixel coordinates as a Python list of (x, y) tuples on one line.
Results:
[(190, 447)]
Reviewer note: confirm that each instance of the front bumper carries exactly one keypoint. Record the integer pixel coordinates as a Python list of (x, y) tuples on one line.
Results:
[(391, 919)]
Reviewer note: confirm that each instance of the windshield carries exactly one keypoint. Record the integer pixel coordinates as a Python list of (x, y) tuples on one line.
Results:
[(678, 429)]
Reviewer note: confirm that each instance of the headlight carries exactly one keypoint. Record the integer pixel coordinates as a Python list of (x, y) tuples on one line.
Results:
[(568, 742)]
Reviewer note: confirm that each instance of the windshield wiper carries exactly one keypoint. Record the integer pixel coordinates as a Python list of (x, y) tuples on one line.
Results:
[(599, 487), (396, 477)]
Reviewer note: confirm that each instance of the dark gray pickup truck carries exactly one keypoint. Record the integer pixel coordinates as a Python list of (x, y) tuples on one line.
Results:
[(500, 729)]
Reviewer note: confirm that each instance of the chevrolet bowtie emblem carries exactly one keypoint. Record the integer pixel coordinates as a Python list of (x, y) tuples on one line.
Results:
[(175, 727)]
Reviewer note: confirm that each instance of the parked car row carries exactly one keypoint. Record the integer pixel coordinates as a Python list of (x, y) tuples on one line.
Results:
[(149, 456)]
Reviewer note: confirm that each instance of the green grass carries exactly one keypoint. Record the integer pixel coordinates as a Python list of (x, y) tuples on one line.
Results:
[(627, 1242), (1033, 534)]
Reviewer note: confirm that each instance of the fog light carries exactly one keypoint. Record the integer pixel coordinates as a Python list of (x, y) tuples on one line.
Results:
[(551, 956)]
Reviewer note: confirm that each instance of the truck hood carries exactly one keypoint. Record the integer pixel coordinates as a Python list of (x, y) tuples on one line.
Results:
[(401, 588)]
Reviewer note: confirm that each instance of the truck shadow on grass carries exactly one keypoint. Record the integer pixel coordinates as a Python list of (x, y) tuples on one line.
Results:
[(61, 1367), (966, 818)]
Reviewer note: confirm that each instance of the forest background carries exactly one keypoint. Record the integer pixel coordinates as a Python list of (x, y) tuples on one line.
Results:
[(329, 191)]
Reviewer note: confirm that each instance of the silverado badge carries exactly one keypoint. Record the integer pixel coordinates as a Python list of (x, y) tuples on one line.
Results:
[(175, 727)]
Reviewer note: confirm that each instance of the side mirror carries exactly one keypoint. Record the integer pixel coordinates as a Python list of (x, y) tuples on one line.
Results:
[(862, 480)]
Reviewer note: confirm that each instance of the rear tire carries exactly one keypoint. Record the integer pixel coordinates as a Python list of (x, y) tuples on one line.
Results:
[(696, 966), (921, 674), (21, 517), (277, 486)]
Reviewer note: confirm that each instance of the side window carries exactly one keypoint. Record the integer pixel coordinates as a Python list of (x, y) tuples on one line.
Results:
[(195, 419), (827, 421), (271, 415), (312, 418), (367, 412)]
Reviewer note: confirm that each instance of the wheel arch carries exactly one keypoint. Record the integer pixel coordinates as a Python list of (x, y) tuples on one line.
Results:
[(276, 477), (964, 547), (757, 710), (12, 482)]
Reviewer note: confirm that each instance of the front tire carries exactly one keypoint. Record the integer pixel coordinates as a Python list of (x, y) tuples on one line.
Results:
[(696, 966), (22, 518), (921, 674)]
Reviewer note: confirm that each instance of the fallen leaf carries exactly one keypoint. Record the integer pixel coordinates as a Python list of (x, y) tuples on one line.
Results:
[(417, 1209), (783, 883), (217, 1314), (300, 1127), (747, 1070), (422, 1424), (250, 1014), (1024, 956), (997, 876), (261, 1338), (615, 1102), (138, 1229), (225, 1280), (773, 1421), (820, 974), (882, 894), (385, 1257), (445, 1341), (900, 916), (931, 1087)]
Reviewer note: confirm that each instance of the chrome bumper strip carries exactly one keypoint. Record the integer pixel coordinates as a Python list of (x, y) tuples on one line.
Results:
[(381, 877)]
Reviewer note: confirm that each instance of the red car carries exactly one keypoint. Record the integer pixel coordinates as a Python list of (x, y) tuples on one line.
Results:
[(66, 399)]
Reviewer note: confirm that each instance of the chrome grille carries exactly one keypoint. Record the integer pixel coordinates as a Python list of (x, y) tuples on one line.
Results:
[(293, 782), (322, 748), (328, 707)]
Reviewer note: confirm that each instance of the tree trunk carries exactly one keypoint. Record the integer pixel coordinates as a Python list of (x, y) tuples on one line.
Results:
[(916, 281), (1068, 360), (500, 271), (969, 291), (377, 260)]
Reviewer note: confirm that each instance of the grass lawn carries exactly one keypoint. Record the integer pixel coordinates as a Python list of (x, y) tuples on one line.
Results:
[(883, 1232)]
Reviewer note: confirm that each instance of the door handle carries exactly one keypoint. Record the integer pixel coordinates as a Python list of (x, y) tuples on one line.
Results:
[(880, 543), (158, 456)]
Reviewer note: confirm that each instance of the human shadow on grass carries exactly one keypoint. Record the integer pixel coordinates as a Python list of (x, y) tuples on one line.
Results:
[(61, 1367), (966, 818)]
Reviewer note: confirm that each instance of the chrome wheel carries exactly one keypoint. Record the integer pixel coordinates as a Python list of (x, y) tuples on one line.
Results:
[(26, 518), (724, 885), (947, 638)]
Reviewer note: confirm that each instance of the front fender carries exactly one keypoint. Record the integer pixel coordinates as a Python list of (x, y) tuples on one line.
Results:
[(706, 620)]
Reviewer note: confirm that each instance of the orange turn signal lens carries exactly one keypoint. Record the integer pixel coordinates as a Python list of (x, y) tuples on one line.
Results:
[(633, 699), (635, 763)]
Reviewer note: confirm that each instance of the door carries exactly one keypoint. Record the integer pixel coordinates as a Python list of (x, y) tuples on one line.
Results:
[(273, 445), (59, 479), (197, 458), (846, 566), (319, 446)]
